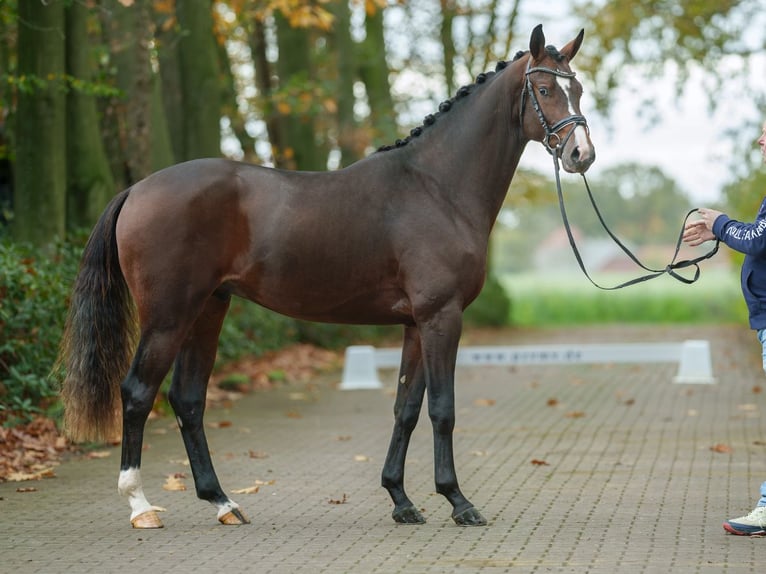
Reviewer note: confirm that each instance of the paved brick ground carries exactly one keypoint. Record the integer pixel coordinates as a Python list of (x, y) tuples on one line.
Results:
[(630, 485)]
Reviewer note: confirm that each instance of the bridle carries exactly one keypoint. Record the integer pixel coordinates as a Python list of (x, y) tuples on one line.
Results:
[(552, 131)]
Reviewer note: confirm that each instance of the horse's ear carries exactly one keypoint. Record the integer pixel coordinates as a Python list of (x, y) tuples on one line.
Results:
[(571, 49), (537, 42)]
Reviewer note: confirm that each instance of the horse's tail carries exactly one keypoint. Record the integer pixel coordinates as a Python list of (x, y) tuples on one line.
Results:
[(99, 336)]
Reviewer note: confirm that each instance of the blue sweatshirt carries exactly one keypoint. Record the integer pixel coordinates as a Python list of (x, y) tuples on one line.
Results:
[(750, 239)]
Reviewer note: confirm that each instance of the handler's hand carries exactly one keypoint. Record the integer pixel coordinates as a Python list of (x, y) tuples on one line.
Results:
[(699, 231)]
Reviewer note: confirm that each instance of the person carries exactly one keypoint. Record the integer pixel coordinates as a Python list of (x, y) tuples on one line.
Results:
[(750, 239)]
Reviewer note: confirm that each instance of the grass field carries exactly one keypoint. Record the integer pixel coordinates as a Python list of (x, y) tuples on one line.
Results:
[(569, 299)]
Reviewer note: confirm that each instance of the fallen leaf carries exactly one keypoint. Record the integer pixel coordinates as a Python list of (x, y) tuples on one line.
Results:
[(258, 454), (575, 414), (484, 402), (26, 489), (343, 438), (298, 396), (757, 389), (36, 475), (293, 415), (99, 454), (362, 458), (248, 490), (220, 424), (759, 442), (552, 402), (479, 453), (721, 448), (174, 483), (629, 402), (538, 462), (341, 501)]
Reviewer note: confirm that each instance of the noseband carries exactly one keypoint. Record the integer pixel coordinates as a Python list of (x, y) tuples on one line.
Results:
[(550, 131)]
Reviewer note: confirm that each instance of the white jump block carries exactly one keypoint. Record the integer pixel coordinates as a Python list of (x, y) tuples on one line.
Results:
[(360, 370), (695, 366), (692, 356)]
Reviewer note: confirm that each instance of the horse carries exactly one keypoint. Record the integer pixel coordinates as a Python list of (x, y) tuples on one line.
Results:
[(399, 237)]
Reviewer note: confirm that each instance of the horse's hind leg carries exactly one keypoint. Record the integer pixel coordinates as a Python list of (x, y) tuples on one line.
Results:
[(409, 398), (139, 388), (187, 397)]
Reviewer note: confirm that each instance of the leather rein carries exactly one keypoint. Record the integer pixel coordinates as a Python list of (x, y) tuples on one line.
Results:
[(554, 150)]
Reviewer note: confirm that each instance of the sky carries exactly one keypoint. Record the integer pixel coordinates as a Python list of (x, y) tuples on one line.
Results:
[(688, 144)]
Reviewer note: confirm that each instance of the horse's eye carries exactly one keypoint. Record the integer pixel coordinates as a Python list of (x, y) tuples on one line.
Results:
[(543, 91)]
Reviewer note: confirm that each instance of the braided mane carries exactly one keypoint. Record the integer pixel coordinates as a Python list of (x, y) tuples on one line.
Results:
[(464, 91)]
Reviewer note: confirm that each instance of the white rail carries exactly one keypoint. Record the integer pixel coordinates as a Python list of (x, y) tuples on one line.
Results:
[(693, 358)]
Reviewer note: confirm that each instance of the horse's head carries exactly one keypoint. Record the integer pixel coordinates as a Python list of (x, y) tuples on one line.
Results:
[(552, 114)]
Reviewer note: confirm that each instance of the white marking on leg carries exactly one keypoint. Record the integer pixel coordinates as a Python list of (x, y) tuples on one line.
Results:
[(225, 507), (129, 484)]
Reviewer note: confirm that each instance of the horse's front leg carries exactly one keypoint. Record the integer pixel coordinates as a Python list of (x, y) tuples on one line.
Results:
[(439, 338), (409, 398), (187, 397)]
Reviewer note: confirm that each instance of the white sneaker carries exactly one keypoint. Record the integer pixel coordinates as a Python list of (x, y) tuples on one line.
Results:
[(754, 524)]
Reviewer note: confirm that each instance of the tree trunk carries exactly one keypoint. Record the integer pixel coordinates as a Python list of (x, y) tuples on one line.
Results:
[(375, 75), (351, 147), (298, 133), (89, 179), (40, 209), (448, 44), (200, 80), (130, 32), (167, 37), (6, 120), (265, 86)]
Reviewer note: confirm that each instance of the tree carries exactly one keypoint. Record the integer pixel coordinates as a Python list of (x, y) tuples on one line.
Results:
[(641, 38), (300, 138), (40, 174), (90, 184), (200, 80), (374, 73)]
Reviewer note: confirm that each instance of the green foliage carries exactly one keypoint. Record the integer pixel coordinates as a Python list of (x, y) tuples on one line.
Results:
[(34, 287), (492, 308), (560, 299), (252, 330)]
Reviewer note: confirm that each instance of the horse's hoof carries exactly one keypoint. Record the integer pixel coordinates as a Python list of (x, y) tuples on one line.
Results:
[(408, 515), (148, 519), (469, 517), (234, 517)]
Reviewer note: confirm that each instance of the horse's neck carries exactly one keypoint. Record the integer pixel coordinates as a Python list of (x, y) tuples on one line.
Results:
[(474, 150)]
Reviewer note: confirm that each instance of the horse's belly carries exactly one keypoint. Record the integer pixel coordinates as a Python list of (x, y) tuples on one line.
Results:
[(330, 300)]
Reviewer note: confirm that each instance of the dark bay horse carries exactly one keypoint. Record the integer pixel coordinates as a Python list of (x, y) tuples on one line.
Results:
[(399, 237)]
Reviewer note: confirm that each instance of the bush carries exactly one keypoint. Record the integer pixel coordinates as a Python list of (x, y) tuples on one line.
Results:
[(492, 308), (34, 287)]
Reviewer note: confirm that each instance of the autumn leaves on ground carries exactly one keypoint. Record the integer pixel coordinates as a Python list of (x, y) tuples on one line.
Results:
[(32, 451)]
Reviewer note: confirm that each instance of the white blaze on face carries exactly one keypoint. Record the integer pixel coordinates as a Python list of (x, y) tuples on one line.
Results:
[(580, 134)]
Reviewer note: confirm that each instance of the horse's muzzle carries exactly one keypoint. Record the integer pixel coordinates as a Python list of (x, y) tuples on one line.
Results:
[(578, 153)]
